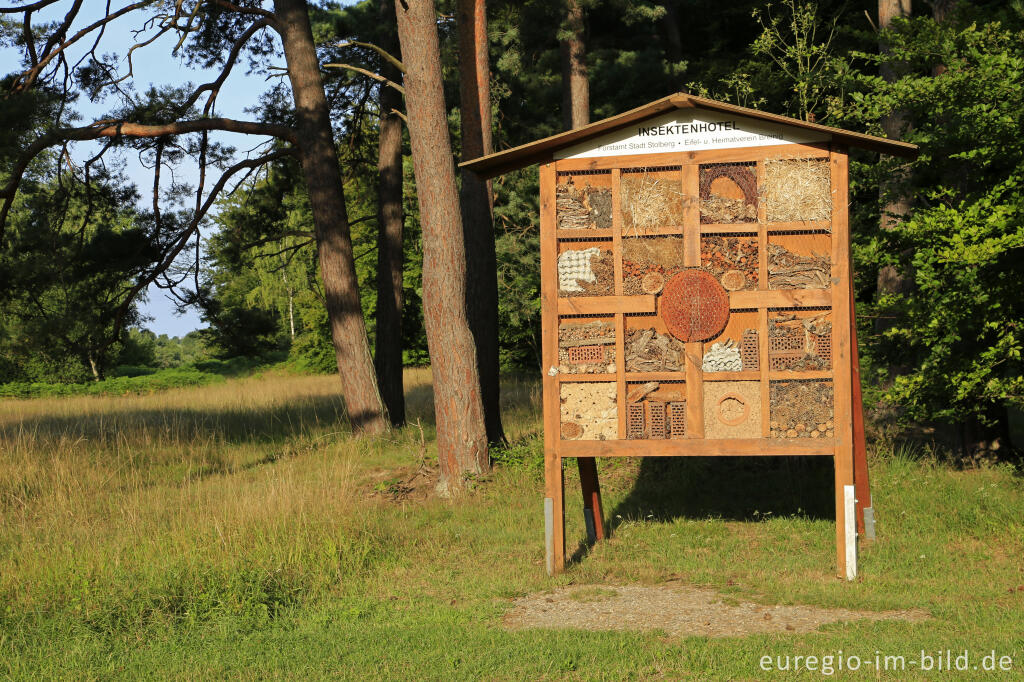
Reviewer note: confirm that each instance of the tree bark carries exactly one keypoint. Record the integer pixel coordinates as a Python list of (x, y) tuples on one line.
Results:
[(890, 279), (477, 202), (322, 172), (388, 355), (575, 80), (461, 435)]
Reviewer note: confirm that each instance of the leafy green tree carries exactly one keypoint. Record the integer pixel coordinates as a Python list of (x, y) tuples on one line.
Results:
[(957, 333)]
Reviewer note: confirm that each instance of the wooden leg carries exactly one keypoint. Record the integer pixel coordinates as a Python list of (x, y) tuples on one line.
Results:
[(866, 527), (846, 515), (593, 514), (554, 514)]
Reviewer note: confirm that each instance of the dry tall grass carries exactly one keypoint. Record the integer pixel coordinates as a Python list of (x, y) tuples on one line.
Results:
[(175, 484)]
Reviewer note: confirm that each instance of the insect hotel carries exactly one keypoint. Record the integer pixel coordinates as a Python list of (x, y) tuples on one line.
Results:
[(696, 295)]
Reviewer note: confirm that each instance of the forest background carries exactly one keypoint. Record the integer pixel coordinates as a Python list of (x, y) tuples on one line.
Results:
[(937, 251)]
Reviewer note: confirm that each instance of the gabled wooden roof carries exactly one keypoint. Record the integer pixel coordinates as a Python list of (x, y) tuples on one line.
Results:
[(543, 150)]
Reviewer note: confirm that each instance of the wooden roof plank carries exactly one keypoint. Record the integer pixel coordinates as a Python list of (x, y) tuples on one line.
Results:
[(543, 150)]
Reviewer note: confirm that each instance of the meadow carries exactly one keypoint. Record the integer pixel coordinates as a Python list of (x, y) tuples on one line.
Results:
[(236, 530)]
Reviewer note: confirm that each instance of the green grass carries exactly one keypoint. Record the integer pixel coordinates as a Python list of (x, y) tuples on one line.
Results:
[(236, 531)]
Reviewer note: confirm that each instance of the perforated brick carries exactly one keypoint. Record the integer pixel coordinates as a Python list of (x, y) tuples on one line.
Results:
[(677, 419), (787, 342), (579, 355), (823, 347), (656, 419), (635, 421), (749, 353), (783, 360)]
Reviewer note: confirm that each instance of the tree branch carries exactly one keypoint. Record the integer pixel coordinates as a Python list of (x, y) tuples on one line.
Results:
[(114, 129), (375, 76), (379, 50)]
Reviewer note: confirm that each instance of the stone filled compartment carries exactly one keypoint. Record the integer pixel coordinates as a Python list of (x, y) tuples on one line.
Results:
[(586, 344)]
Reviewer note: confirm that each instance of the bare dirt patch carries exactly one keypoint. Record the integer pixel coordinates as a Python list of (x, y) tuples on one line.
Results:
[(679, 610)]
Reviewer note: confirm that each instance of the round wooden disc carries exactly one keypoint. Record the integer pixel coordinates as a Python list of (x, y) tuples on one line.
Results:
[(694, 306), (652, 283), (571, 430), (734, 280)]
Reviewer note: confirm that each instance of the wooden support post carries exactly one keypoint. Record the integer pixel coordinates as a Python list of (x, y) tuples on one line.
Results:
[(554, 505), (865, 511), (846, 527), (691, 259), (593, 514)]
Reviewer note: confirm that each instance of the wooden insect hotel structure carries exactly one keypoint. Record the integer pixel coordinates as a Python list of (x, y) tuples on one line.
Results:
[(696, 295)]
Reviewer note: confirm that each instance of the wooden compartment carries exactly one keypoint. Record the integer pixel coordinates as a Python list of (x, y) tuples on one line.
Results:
[(800, 339), (802, 408), (799, 260), (728, 193), (586, 267), (732, 409), (655, 410), (583, 201), (588, 411), (732, 259), (648, 347), (586, 344), (649, 262), (796, 190), (652, 200), (735, 349)]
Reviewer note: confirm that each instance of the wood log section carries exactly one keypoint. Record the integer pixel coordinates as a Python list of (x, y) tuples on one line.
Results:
[(787, 270)]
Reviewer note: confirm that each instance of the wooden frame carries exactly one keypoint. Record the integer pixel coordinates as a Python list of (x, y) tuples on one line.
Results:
[(843, 374)]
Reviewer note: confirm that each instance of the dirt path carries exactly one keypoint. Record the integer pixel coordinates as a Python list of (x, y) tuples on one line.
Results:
[(679, 610)]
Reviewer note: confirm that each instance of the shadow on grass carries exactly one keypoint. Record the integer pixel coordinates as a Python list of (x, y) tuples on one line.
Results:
[(252, 424), (728, 488)]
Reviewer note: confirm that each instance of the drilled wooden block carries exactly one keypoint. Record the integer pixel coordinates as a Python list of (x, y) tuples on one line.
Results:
[(677, 419)]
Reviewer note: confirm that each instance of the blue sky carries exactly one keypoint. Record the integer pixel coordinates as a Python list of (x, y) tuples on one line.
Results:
[(155, 65)]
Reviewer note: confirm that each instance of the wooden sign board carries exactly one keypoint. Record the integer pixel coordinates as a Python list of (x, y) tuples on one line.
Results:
[(696, 302)]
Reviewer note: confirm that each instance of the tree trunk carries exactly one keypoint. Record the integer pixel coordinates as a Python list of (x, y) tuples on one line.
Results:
[(461, 435), (477, 201), (575, 81), (388, 356), (670, 25), (334, 244), (890, 279)]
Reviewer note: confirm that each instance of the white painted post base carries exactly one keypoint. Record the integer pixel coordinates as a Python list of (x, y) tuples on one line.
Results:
[(549, 534), (850, 530)]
